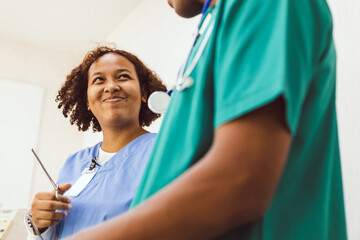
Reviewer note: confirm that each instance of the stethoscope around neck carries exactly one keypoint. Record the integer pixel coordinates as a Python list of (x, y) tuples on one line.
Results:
[(158, 101)]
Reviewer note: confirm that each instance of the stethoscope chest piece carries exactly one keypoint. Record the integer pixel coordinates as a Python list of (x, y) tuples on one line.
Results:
[(158, 102)]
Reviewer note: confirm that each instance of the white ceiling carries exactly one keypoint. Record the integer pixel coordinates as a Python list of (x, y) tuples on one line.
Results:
[(71, 25)]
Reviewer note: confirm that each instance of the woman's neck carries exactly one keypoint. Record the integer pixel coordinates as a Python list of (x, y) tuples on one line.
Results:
[(117, 138)]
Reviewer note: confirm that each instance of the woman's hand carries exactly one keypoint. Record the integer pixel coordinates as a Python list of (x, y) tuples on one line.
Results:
[(44, 206)]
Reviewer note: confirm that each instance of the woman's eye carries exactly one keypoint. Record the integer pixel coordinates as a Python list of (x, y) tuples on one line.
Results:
[(123, 76), (97, 80)]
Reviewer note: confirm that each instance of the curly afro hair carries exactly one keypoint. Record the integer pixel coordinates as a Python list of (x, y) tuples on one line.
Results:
[(72, 97)]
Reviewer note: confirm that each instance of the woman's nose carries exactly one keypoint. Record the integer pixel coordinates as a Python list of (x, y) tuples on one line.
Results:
[(111, 86)]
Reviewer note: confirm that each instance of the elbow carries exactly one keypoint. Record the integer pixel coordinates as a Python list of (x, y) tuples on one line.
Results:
[(256, 210), (253, 201), (259, 209)]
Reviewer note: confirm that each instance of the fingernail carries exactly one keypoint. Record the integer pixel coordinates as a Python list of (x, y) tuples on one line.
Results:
[(69, 207), (65, 214), (68, 200)]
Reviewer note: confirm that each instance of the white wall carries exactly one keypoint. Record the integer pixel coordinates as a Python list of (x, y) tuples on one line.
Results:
[(347, 39), (158, 36), (46, 68), (20, 114)]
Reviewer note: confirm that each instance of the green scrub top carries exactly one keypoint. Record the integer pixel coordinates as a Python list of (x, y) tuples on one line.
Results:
[(259, 51)]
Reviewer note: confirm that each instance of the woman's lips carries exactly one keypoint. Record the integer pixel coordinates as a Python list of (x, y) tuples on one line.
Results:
[(113, 99)]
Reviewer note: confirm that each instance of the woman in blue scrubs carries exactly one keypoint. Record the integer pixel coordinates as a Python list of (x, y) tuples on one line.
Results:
[(108, 91)]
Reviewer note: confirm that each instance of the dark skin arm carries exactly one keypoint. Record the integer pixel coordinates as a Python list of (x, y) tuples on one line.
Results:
[(233, 184)]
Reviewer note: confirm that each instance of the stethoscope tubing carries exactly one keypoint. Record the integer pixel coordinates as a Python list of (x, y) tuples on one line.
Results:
[(182, 74), (159, 101)]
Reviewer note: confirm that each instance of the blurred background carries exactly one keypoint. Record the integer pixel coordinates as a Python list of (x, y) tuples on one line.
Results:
[(41, 41)]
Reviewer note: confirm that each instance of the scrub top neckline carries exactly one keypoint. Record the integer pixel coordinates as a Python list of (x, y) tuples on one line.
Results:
[(125, 151), (104, 156)]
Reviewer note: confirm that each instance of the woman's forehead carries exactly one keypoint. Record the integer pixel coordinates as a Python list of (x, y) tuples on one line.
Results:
[(111, 62)]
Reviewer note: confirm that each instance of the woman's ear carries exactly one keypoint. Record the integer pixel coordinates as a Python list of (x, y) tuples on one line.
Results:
[(143, 95), (87, 104)]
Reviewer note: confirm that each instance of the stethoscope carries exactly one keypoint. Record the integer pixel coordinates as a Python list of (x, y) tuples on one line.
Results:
[(158, 101)]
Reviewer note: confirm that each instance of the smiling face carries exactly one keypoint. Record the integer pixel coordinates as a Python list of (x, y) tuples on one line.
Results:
[(113, 94)]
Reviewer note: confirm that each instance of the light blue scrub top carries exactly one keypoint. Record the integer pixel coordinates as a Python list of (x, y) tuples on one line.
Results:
[(111, 190)]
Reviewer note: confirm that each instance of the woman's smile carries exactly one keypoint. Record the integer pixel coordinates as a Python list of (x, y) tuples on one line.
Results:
[(113, 99)]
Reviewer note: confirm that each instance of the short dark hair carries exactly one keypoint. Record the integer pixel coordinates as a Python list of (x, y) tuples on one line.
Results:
[(72, 97)]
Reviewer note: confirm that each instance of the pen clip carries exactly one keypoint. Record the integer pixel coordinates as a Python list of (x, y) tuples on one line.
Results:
[(93, 163)]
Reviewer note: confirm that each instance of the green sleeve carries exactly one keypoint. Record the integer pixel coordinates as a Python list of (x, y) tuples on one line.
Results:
[(263, 51)]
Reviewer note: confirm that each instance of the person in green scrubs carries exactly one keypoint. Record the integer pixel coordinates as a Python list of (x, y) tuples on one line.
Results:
[(250, 150)]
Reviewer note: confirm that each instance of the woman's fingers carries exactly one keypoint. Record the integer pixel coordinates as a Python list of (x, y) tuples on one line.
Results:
[(50, 216), (45, 205), (44, 196), (52, 205), (48, 201), (44, 209), (51, 196), (46, 220), (44, 212), (61, 198), (64, 187)]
